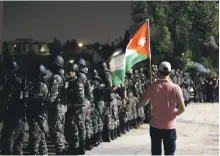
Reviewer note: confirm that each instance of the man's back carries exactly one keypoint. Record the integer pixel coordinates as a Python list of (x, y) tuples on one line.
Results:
[(164, 95)]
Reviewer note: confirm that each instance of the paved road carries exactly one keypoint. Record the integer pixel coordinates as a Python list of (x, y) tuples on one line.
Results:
[(198, 134), (197, 129)]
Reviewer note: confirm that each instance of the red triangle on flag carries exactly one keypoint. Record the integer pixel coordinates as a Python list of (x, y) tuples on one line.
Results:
[(141, 41)]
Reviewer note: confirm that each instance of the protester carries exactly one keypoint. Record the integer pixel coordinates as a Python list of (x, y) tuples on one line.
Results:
[(163, 96)]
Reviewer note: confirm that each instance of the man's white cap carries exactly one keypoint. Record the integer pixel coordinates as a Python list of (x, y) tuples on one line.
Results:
[(165, 66)]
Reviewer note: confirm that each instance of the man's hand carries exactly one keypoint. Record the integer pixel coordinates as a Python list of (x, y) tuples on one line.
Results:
[(140, 104)]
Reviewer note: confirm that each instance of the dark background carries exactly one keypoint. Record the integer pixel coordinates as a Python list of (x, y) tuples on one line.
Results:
[(86, 21)]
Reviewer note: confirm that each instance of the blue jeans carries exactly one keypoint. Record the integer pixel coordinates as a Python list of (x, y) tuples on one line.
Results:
[(169, 141)]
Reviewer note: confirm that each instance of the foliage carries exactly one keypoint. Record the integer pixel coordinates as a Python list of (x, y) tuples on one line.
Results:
[(181, 27), (207, 62), (55, 47), (186, 56), (165, 44)]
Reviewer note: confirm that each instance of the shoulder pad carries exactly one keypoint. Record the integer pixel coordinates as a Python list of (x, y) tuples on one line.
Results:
[(82, 78), (44, 85), (56, 79), (80, 86), (82, 75)]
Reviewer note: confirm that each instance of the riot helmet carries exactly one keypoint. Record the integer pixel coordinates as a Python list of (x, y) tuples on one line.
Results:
[(42, 70), (12, 72), (59, 61), (82, 62), (72, 67), (82, 66), (14, 66)]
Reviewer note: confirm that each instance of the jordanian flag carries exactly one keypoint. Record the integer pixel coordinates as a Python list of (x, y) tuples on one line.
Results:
[(135, 48), (138, 48)]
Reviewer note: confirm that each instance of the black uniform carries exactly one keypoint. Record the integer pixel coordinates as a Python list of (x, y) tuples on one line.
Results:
[(85, 100), (12, 134), (37, 114), (57, 106), (107, 78), (99, 106)]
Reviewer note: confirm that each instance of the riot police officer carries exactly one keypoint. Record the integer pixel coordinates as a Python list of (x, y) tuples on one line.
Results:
[(107, 78), (139, 94), (12, 134), (131, 96), (37, 114), (74, 127), (85, 100), (98, 86), (143, 79), (57, 105)]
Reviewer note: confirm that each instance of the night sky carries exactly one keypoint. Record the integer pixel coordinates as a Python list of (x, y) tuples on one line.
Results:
[(86, 21)]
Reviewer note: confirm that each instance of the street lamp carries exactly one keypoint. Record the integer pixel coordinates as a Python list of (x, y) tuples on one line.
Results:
[(80, 45)]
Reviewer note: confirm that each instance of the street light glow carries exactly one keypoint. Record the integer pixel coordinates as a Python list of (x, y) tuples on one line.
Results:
[(80, 44)]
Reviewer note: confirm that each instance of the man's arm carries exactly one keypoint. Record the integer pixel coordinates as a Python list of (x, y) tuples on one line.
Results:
[(56, 84), (80, 89), (145, 98), (180, 101)]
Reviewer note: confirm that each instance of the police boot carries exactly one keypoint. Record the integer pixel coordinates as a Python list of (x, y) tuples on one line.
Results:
[(89, 144), (112, 135), (138, 121), (130, 124), (127, 127), (100, 137), (118, 132), (106, 136), (82, 149), (63, 152), (115, 133), (96, 140), (72, 151), (135, 123), (123, 129)]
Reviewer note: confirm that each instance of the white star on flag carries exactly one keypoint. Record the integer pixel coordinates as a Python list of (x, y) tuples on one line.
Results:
[(141, 41)]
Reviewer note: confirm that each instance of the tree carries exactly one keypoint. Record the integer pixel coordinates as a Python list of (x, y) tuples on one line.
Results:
[(73, 44), (55, 47), (186, 56), (192, 26), (165, 44)]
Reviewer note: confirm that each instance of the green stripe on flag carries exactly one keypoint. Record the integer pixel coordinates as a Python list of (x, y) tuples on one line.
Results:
[(118, 77), (133, 59)]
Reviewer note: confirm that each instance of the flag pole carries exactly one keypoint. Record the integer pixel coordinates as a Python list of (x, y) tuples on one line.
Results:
[(150, 71), (150, 64)]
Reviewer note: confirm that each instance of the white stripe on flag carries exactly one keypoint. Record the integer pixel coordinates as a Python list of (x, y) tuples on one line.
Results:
[(117, 63), (130, 51)]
